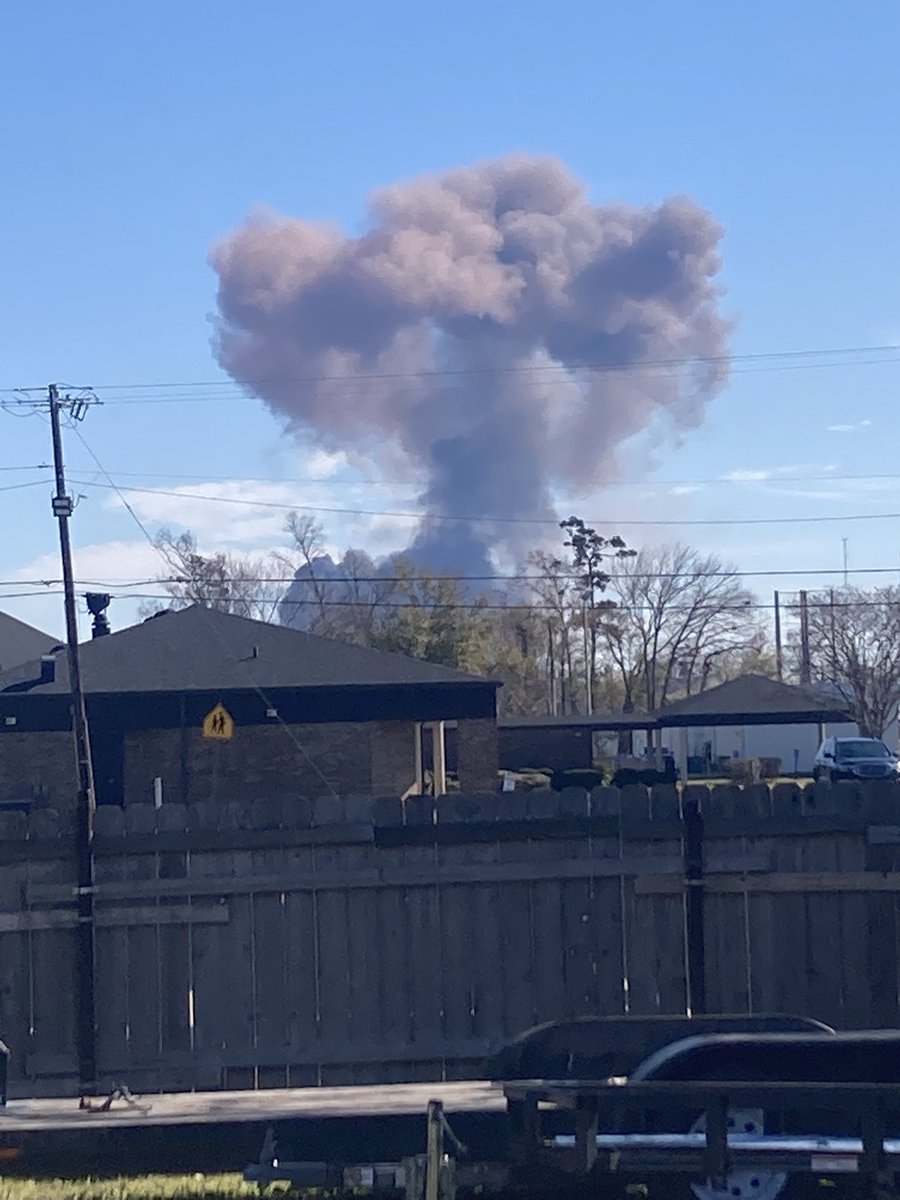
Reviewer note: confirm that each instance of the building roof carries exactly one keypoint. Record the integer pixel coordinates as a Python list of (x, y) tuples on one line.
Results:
[(201, 650), (21, 643), (751, 700)]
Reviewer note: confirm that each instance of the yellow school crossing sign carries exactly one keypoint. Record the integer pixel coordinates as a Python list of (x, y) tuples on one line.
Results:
[(218, 724)]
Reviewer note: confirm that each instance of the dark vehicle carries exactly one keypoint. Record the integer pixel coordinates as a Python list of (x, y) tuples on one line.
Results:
[(855, 758)]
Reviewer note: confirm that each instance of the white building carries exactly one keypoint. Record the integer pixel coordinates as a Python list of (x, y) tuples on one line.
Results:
[(754, 717)]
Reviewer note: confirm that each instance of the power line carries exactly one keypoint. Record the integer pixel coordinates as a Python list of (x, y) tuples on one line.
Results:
[(736, 479), (480, 519), (111, 483), (292, 737), (475, 607), (765, 360), (568, 574), (18, 487), (519, 369)]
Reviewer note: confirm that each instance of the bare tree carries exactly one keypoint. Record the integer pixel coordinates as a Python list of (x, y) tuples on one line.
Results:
[(244, 585), (854, 644), (678, 615), (340, 600), (554, 593)]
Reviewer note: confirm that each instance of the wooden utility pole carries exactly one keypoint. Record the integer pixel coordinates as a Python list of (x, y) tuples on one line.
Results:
[(805, 664), (551, 664), (85, 1015), (779, 655)]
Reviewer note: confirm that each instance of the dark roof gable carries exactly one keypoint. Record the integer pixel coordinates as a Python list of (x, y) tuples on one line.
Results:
[(200, 649), (751, 696), (21, 643)]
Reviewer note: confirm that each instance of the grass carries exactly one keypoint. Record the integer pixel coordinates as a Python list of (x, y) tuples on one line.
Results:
[(143, 1187)]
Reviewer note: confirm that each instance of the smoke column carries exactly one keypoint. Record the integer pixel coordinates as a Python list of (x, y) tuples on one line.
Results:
[(469, 329)]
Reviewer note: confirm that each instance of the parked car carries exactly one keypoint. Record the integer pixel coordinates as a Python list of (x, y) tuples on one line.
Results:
[(855, 758)]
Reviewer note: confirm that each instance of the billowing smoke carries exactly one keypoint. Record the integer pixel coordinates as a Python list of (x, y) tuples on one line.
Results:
[(496, 329)]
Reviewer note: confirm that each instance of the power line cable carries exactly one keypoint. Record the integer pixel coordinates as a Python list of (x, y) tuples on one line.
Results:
[(474, 608), (736, 479), (251, 681), (480, 519), (18, 487), (565, 575), (767, 360)]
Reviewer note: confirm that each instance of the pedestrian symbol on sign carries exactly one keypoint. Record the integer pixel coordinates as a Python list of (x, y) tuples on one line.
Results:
[(218, 724)]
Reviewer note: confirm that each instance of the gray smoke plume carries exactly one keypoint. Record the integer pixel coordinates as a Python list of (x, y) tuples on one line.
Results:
[(502, 332)]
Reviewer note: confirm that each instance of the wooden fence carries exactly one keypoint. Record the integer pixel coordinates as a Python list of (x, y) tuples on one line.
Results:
[(353, 941)]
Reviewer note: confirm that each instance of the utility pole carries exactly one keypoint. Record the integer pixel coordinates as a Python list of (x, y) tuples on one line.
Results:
[(805, 665), (588, 663), (85, 1015), (833, 634), (779, 656), (846, 562), (551, 663)]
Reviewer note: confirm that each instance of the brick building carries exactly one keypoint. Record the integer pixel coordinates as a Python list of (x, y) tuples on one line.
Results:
[(310, 716)]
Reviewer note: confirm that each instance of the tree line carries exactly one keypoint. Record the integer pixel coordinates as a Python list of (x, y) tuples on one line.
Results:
[(593, 626), (597, 626)]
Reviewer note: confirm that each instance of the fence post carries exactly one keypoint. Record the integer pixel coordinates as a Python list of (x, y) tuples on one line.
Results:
[(435, 1146), (694, 919)]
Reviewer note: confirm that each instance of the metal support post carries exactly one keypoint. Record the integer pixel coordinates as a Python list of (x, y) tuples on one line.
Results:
[(435, 1149)]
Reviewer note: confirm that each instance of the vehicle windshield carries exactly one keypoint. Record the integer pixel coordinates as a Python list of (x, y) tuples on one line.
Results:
[(862, 748)]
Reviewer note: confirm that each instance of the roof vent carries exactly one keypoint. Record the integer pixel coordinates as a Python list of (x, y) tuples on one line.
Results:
[(48, 668), (254, 653)]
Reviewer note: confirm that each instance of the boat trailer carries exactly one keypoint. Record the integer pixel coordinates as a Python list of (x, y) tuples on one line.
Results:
[(737, 1115)]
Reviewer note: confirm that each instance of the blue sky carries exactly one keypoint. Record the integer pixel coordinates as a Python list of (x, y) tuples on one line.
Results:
[(133, 136)]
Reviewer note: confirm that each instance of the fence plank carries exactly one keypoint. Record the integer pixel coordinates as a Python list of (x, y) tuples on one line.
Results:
[(394, 985), (419, 872), (334, 965), (882, 929), (269, 976), (15, 977), (729, 969), (364, 951), (654, 930), (144, 988), (487, 952), (780, 882), (112, 981), (423, 911), (513, 918), (52, 954), (215, 973)]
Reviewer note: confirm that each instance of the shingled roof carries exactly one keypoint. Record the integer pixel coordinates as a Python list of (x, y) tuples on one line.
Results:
[(201, 650), (21, 643), (751, 700)]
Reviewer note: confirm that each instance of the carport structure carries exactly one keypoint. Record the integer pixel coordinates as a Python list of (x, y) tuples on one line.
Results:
[(561, 742), (751, 700)]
